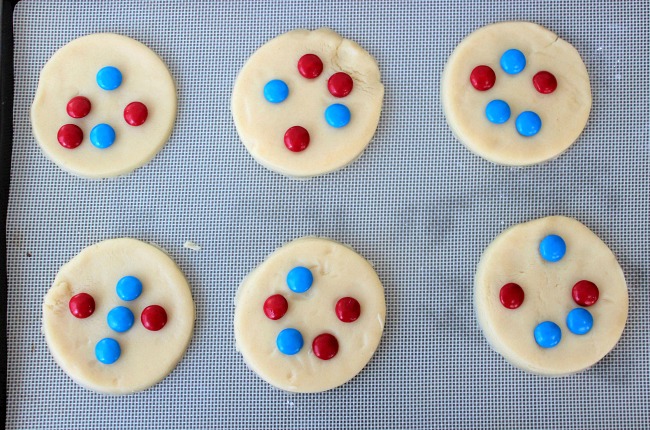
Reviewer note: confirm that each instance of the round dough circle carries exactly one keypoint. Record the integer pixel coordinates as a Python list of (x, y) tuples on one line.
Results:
[(147, 356), (261, 125), (338, 272), (72, 72), (564, 112), (514, 257)]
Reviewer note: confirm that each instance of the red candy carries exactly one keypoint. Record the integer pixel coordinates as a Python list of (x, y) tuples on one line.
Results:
[(78, 107), (511, 296), (347, 309), (135, 113), (585, 293), (545, 82), (70, 136), (275, 307), (296, 139), (310, 66), (82, 305), (340, 84), (325, 346), (153, 317), (482, 78)]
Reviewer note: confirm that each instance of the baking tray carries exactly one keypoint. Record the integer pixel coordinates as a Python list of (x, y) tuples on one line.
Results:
[(417, 204)]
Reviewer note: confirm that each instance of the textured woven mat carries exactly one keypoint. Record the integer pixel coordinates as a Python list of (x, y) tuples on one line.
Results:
[(417, 204)]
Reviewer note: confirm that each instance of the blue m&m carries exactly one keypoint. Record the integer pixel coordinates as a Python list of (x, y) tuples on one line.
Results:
[(579, 321), (107, 351), (120, 319), (299, 279), (337, 115), (109, 78), (102, 136), (548, 334), (276, 91), (497, 111), (513, 61), (129, 288), (528, 123), (552, 248), (289, 341)]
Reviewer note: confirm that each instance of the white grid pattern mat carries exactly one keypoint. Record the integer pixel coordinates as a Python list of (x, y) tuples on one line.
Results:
[(417, 204)]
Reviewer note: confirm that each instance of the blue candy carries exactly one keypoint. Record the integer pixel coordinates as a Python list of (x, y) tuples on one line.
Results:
[(337, 115), (102, 136), (548, 334), (299, 279), (109, 78), (276, 91), (513, 61), (289, 341), (120, 319), (129, 288), (107, 350), (579, 321), (552, 248), (528, 123), (497, 111)]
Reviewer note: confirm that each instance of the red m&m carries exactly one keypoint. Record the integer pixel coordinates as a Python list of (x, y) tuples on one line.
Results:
[(310, 66), (70, 136), (544, 82), (347, 309), (340, 84), (275, 307), (511, 295), (296, 138), (585, 293), (82, 305), (78, 107), (135, 113), (325, 346), (482, 78), (153, 317)]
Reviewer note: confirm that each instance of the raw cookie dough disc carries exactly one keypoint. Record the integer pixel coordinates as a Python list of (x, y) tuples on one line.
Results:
[(147, 354), (266, 127), (341, 277), (584, 282), (72, 71), (563, 111)]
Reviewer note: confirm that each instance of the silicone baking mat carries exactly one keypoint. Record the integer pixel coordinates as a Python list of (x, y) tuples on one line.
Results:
[(417, 204)]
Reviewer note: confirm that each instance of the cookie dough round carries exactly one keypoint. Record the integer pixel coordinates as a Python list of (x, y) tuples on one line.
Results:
[(514, 257), (338, 272), (71, 72), (146, 356), (563, 112), (262, 125)]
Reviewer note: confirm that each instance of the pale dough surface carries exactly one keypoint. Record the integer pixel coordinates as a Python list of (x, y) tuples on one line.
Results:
[(338, 272), (564, 112), (71, 72), (147, 356), (261, 125), (514, 257)]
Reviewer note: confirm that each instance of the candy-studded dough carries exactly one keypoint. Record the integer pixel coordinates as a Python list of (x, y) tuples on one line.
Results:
[(262, 125), (71, 72), (147, 356), (338, 272), (514, 257), (563, 113)]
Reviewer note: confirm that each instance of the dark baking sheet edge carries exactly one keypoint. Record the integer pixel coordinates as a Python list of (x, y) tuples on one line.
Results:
[(6, 138)]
